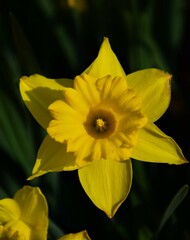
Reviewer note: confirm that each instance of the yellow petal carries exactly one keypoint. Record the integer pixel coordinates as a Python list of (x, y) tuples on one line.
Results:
[(82, 146), (106, 63), (155, 146), (39, 92), (76, 100), (83, 235), (9, 210), (59, 109), (107, 183), (52, 157), (18, 230), (34, 210), (117, 86), (86, 86), (63, 130), (66, 118), (154, 88)]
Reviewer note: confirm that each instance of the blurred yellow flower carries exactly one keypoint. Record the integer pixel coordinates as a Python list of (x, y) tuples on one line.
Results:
[(76, 5), (79, 5), (25, 217), (98, 122), (83, 235)]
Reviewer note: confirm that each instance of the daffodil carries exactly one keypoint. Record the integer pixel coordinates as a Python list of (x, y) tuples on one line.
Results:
[(98, 122), (25, 217), (83, 235)]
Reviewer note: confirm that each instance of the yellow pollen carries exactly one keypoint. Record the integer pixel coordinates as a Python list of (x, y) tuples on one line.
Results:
[(100, 125)]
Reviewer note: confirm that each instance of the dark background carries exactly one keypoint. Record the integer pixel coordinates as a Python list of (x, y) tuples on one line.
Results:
[(59, 38)]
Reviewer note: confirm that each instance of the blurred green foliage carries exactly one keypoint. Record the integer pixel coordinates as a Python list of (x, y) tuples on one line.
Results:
[(60, 38)]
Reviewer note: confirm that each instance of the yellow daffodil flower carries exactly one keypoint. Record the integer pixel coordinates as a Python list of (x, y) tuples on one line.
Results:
[(98, 122), (83, 235), (25, 217)]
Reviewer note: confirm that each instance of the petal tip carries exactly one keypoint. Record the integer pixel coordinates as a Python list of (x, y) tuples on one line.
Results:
[(23, 78), (183, 161), (35, 175)]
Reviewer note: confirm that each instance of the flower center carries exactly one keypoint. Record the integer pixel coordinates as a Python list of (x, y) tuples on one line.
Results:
[(100, 123)]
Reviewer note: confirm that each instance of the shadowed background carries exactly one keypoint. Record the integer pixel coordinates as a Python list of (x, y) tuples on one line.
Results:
[(60, 38)]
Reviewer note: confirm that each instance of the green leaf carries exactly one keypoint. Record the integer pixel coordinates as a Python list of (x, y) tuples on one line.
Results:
[(176, 20), (14, 138), (54, 230), (144, 233), (24, 50), (174, 204)]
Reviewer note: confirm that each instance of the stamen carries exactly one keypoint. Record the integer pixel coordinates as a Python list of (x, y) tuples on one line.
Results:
[(101, 125)]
